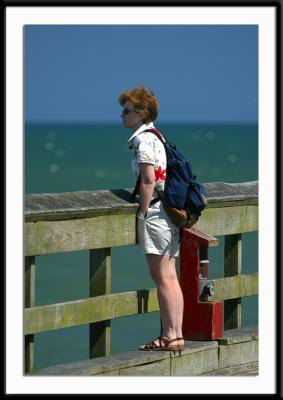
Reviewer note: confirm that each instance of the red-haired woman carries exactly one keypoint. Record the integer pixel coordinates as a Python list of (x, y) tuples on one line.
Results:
[(157, 235)]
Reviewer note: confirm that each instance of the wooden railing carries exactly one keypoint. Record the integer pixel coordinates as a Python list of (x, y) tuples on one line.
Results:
[(99, 220)]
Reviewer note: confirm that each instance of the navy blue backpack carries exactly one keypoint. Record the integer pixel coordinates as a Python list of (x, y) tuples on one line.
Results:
[(183, 198)]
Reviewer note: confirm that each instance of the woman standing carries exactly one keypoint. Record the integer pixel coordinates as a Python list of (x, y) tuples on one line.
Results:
[(157, 235)]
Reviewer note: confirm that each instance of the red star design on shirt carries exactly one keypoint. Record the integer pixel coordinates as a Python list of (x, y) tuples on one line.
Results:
[(160, 174)]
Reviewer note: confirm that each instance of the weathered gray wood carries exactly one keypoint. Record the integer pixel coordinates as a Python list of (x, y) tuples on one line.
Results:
[(104, 365), (100, 308), (233, 255), (244, 369), (85, 204), (198, 358), (236, 193), (235, 287), (29, 302), (44, 237), (58, 222), (158, 368), (96, 309), (100, 284), (82, 204), (62, 217), (123, 362), (237, 354), (232, 267), (195, 364), (228, 220), (29, 281), (240, 335)]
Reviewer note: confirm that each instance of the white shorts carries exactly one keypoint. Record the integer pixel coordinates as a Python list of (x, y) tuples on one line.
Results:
[(156, 233)]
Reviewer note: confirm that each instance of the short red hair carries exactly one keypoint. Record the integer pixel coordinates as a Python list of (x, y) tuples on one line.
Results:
[(144, 101)]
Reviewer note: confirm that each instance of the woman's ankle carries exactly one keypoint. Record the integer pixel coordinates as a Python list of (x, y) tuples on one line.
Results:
[(169, 334), (179, 335)]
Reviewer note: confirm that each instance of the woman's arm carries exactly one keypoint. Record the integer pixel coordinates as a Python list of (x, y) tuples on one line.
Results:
[(146, 186)]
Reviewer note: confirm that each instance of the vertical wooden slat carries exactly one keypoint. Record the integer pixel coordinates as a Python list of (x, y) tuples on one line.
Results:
[(29, 291), (100, 284), (232, 267)]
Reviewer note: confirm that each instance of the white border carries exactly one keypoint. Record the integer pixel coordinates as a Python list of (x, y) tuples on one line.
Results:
[(16, 18)]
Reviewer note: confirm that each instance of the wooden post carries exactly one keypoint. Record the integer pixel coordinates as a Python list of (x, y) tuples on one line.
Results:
[(100, 284), (232, 267), (29, 302)]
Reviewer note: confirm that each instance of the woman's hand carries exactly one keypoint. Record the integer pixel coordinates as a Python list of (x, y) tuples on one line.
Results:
[(147, 186)]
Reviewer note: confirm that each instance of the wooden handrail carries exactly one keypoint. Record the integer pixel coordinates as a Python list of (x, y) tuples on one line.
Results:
[(85, 204), (99, 220), (96, 309), (93, 220)]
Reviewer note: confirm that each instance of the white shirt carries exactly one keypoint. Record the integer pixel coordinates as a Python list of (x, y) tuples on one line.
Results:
[(147, 148)]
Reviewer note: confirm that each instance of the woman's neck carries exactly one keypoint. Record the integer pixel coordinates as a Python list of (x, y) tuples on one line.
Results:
[(135, 128)]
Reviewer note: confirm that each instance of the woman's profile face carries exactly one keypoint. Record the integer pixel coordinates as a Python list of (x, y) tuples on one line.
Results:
[(131, 119)]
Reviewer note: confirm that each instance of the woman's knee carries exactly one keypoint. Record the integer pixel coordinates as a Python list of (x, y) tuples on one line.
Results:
[(162, 268), (164, 277)]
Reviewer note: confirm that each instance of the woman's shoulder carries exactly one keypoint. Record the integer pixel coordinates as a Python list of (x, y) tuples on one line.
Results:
[(143, 138), (147, 140), (149, 137)]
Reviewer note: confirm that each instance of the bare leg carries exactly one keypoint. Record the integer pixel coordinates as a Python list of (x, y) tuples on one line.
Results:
[(170, 297)]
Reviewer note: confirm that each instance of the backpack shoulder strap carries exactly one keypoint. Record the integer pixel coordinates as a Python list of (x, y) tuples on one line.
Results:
[(136, 189), (158, 134)]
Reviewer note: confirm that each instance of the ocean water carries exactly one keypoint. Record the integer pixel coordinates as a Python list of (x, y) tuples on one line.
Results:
[(74, 157)]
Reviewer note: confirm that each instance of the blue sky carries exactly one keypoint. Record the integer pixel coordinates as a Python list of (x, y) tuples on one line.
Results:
[(205, 73)]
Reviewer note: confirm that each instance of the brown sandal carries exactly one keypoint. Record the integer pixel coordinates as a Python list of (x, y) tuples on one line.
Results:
[(164, 345)]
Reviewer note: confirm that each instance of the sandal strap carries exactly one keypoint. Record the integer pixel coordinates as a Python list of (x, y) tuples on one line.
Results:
[(167, 341), (163, 342), (151, 345)]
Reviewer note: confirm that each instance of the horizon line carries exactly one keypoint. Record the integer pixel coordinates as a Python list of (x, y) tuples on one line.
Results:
[(112, 122)]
